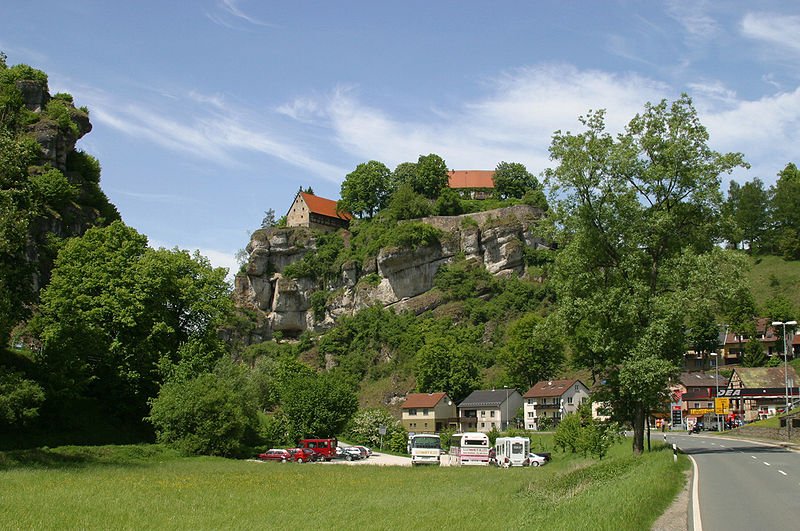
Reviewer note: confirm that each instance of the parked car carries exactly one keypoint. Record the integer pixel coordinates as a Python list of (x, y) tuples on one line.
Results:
[(276, 454), (365, 452), (351, 453), (537, 459), (303, 455)]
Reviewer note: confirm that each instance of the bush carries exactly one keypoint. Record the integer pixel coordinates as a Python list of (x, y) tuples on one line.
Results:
[(20, 398), (207, 415), (363, 428)]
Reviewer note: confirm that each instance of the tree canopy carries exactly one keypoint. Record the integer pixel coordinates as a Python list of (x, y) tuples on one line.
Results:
[(513, 180), (118, 318), (637, 219), (366, 189)]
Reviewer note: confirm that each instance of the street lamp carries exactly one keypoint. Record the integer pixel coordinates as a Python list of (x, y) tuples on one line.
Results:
[(785, 358), (507, 419), (716, 382)]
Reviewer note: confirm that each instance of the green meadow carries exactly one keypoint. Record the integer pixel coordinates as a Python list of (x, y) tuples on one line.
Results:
[(149, 487)]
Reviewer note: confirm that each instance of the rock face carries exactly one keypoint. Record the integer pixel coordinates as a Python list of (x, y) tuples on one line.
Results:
[(496, 238)]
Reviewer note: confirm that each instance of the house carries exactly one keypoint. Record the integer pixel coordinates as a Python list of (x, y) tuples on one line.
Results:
[(475, 184), (693, 395), (428, 413), (732, 346), (552, 399), (483, 410), (759, 392), (309, 210)]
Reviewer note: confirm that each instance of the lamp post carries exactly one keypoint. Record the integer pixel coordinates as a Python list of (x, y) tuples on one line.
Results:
[(785, 358), (716, 382), (507, 419)]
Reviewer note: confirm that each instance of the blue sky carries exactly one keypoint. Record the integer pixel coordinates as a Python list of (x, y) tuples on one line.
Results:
[(206, 113)]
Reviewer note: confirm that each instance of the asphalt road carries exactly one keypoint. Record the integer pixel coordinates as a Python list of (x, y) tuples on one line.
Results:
[(742, 485)]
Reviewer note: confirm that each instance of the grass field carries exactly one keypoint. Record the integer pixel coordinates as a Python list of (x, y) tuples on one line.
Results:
[(147, 487)]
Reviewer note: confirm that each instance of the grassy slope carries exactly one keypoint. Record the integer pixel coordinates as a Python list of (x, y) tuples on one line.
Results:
[(145, 487), (771, 276)]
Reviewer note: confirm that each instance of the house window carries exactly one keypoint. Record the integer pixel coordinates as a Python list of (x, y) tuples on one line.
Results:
[(576, 388), (530, 414), (412, 412), (569, 400), (483, 413), (491, 414), (483, 424), (425, 411)]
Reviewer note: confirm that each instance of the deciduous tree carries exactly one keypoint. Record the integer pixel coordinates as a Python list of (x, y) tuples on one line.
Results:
[(637, 224)]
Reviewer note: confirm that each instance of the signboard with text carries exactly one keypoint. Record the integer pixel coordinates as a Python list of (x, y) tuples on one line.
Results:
[(722, 406)]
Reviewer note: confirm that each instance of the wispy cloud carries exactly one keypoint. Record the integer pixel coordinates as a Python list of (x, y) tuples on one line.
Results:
[(775, 29), (691, 14), (229, 14), (209, 128), (513, 122), (217, 258)]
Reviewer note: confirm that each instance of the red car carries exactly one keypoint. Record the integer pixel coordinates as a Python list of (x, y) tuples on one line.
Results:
[(276, 454), (303, 455)]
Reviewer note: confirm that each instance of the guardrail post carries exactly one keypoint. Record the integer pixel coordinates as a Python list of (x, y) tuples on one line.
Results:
[(674, 453)]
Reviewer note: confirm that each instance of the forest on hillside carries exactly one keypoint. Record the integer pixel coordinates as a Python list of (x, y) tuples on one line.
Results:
[(107, 339)]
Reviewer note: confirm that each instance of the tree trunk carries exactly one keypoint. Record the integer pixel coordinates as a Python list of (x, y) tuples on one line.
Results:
[(638, 429), (647, 420)]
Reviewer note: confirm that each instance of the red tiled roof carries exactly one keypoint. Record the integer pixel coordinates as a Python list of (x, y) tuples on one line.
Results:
[(471, 179), (415, 400), (549, 388), (324, 207)]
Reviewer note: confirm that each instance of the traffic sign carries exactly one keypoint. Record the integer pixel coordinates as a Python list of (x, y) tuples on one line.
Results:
[(722, 406)]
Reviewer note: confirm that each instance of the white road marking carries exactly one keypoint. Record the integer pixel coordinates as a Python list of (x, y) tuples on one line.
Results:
[(697, 524), (767, 463), (782, 472), (754, 457), (722, 445)]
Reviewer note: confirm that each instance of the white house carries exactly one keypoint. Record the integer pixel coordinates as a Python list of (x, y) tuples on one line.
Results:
[(552, 399)]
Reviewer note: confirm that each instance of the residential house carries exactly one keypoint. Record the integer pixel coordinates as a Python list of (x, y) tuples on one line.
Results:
[(732, 346), (484, 410), (552, 399), (759, 392), (474, 184), (309, 210), (428, 413), (693, 394)]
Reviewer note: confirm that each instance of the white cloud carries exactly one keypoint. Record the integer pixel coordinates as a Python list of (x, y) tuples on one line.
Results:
[(766, 130), (691, 15), (515, 122), (209, 129), (230, 13), (775, 29)]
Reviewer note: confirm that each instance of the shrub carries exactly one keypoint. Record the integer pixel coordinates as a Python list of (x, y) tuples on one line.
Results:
[(363, 428), (207, 415), (20, 398)]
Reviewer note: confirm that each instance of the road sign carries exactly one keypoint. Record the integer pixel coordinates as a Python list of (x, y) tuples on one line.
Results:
[(722, 406), (382, 429)]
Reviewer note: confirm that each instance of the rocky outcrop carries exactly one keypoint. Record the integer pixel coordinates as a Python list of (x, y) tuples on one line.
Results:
[(397, 277)]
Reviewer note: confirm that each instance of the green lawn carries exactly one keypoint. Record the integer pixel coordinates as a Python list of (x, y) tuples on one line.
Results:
[(146, 487)]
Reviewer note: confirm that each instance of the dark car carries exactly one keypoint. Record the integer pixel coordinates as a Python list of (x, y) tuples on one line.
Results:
[(276, 454), (303, 455), (351, 452)]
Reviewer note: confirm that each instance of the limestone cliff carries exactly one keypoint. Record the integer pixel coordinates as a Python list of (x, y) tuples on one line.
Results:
[(397, 276)]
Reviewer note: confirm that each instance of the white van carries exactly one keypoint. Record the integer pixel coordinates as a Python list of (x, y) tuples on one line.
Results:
[(512, 451)]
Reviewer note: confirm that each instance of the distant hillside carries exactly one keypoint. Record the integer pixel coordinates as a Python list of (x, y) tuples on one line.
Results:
[(772, 276)]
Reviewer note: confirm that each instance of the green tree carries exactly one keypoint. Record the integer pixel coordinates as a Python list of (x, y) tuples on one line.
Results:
[(532, 351), (513, 180), (431, 176), (364, 427), (211, 414), (405, 203), (317, 405), (568, 433), (20, 398), (443, 364), (786, 212), (366, 189), (747, 214), (637, 226), (404, 173), (754, 355), (448, 203), (118, 318)]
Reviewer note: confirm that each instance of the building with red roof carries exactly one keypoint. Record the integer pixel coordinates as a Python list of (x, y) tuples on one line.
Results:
[(552, 399), (428, 413), (309, 210), (477, 184)]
